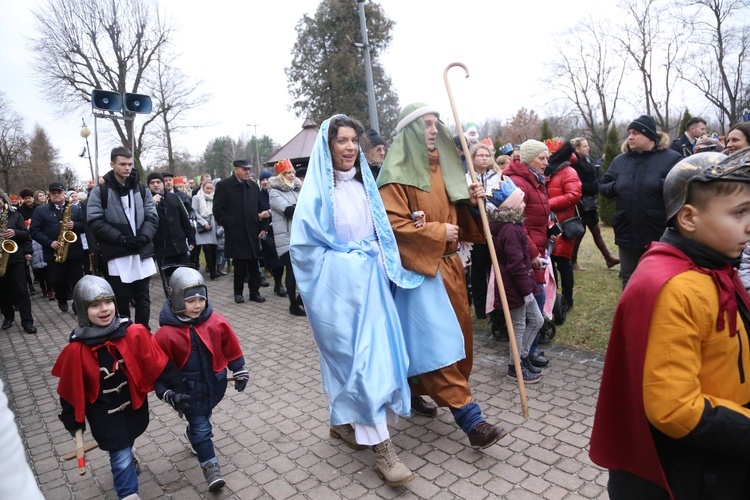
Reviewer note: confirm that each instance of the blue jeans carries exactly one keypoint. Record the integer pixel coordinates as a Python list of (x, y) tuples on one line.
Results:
[(123, 472), (200, 434), (540, 299)]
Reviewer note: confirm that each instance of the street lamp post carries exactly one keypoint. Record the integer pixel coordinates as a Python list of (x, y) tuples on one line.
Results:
[(257, 146), (85, 133), (368, 69)]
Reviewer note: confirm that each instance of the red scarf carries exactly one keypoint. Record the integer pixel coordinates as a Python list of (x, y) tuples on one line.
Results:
[(621, 437), (78, 368)]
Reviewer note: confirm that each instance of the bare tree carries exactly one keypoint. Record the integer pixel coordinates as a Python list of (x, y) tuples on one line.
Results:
[(110, 45), (655, 44), (525, 125), (721, 46), (174, 95), (14, 147), (588, 74)]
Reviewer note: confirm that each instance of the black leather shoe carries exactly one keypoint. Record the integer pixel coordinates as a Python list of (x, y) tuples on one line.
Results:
[(63, 306), (279, 290), (239, 299), (538, 360), (28, 327), (263, 281), (7, 324), (256, 297), (484, 435), (422, 407)]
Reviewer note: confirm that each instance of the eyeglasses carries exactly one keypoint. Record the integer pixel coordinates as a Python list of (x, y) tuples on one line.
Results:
[(482, 156)]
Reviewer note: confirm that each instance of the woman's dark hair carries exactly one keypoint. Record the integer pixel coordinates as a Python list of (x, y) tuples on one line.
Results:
[(563, 154), (333, 130), (743, 127)]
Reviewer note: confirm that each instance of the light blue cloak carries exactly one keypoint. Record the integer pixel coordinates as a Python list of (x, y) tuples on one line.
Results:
[(348, 298)]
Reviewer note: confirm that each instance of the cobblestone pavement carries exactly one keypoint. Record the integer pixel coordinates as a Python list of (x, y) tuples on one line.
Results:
[(272, 440)]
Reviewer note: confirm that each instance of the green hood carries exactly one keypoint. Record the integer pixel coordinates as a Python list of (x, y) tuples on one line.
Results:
[(407, 162)]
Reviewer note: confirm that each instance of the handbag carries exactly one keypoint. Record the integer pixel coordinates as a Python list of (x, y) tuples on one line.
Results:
[(589, 203), (573, 227), (202, 229)]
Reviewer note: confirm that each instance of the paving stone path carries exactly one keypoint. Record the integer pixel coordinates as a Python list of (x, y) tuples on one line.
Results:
[(272, 440)]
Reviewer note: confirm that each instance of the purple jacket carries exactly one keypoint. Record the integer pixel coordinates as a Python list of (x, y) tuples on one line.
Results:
[(512, 248)]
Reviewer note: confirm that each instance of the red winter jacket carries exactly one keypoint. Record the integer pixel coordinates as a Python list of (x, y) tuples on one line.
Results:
[(565, 189), (537, 210)]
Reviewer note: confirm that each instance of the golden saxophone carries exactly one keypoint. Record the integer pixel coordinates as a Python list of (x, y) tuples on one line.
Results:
[(7, 247), (65, 237)]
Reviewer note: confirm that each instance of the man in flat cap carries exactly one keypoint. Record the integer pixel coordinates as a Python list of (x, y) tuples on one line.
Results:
[(422, 173), (238, 208)]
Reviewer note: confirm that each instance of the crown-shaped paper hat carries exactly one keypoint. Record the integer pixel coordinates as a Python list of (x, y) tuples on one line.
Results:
[(553, 144)]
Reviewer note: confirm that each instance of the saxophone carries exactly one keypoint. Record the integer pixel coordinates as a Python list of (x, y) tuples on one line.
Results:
[(7, 247), (65, 237)]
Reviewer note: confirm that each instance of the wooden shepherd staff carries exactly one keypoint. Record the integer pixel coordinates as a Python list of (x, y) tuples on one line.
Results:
[(490, 244)]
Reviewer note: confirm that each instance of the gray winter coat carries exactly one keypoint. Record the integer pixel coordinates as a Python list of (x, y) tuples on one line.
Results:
[(282, 198), (207, 237)]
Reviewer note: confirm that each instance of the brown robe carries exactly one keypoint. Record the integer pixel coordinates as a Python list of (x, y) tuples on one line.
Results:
[(425, 250)]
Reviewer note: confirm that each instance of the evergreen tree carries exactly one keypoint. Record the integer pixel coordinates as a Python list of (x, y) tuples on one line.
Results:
[(546, 131), (686, 117), (611, 150), (327, 73), (43, 160)]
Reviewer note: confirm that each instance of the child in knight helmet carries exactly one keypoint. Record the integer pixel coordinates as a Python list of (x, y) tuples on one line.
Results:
[(203, 345), (106, 373), (505, 209), (673, 417)]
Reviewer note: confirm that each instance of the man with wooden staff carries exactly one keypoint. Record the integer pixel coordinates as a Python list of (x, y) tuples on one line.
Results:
[(423, 173)]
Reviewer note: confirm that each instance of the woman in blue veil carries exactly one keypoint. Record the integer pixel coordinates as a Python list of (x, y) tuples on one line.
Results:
[(345, 260)]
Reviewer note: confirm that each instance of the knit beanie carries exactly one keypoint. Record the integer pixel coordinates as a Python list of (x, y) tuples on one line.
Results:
[(506, 195), (530, 149), (265, 174), (374, 138), (154, 175), (646, 126)]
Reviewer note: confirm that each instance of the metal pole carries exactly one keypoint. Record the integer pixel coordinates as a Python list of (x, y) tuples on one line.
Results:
[(368, 70), (96, 151)]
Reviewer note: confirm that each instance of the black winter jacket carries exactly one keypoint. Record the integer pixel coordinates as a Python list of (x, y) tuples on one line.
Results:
[(21, 237), (636, 181), (175, 232), (111, 226), (45, 228)]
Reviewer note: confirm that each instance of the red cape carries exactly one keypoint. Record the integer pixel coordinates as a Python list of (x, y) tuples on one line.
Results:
[(78, 368), (215, 333), (621, 437)]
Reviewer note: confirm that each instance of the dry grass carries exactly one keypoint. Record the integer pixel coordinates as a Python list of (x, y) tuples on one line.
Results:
[(596, 292)]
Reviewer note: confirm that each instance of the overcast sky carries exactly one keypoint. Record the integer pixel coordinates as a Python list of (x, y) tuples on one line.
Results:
[(239, 49)]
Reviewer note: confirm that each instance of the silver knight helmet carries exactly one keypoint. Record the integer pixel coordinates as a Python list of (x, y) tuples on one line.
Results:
[(90, 289), (184, 283)]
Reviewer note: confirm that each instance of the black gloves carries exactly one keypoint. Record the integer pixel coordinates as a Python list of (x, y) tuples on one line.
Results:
[(179, 402), (135, 242), (240, 379), (289, 211)]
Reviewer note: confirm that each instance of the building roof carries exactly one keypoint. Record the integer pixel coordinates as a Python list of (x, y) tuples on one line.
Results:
[(298, 149)]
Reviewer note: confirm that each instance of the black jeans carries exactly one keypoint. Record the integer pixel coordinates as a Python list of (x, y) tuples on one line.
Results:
[(629, 258), (480, 273), (566, 280), (64, 276), (243, 268), (290, 283), (14, 291), (137, 291)]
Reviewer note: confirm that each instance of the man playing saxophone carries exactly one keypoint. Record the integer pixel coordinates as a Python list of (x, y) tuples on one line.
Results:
[(14, 244), (51, 227)]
